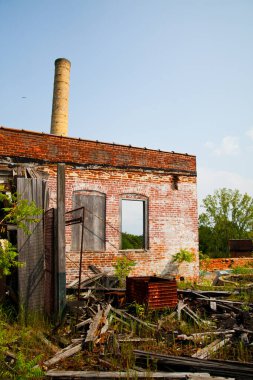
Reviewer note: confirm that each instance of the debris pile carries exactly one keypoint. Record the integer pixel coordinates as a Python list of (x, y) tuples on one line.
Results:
[(109, 339)]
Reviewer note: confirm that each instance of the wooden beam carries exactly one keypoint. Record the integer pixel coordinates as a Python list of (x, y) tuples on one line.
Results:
[(61, 264), (206, 352), (63, 354), (130, 374)]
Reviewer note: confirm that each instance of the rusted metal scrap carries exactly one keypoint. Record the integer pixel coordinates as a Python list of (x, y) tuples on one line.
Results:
[(155, 292)]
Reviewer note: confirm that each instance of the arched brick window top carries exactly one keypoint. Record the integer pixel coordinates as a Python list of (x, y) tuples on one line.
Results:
[(134, 196)]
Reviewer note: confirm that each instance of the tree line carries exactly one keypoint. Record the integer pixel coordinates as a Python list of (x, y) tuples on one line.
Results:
[(227, 214)]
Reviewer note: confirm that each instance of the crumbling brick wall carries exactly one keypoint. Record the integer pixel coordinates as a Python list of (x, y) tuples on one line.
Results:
[(166, 179), (212, 265)]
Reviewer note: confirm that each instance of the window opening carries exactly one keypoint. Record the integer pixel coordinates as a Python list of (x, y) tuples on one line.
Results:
[(133, 224), (174, 184)]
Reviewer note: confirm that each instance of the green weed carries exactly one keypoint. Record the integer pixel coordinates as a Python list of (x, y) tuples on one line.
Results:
[(122, 269)]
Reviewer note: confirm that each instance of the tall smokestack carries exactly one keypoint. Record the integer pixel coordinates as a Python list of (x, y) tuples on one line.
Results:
[(59, 120)]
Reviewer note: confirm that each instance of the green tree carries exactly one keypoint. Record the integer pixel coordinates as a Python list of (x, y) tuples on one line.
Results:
[(18, 211), (228, 215), (130, 241), (122, 269), (22, 213)]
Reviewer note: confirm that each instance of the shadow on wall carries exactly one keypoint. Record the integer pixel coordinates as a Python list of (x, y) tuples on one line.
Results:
[(182, 272), (171, 269)]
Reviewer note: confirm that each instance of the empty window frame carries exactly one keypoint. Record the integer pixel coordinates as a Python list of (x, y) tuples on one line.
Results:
[(134, 225), (94, 221)]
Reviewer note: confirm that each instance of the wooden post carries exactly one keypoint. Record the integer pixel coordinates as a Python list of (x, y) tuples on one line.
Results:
[(61, 263)]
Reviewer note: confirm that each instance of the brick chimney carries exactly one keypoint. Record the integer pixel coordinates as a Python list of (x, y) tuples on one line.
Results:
[(59, 119)]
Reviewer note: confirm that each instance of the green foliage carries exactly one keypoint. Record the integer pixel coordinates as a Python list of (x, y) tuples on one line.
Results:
[(205, 260), (20, 212), (25, 369), (183, 255), (228, 215), (8, 257), (139, 310), (129, 241), (242, 270), (203, 256), (24, 344), (22, 368), (122, 268)]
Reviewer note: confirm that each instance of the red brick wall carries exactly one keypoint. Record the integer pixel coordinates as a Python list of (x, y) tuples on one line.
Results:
[(172, 218), (116, 170), (224, 263), (40, 146)]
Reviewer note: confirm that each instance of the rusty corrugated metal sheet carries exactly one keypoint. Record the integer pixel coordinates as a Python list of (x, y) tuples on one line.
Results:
[(155, 292), (240, 247)]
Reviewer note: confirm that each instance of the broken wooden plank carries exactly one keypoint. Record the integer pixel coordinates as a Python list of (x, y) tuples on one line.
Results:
[(196, 336), (85, 282), (91, 311), (127, 324), (180, 307), (133, 340), (63, 354), (225, 304), (241, 329), (121, 321), (206, 352), (83, 323), (131, 374), (213, 304), (77, 340), (99, 325), (208, 293), (125, 315), (186, 309), (95, 269)]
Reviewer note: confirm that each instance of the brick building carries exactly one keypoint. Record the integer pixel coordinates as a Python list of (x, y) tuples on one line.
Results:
[(100, 177), (130, 201)]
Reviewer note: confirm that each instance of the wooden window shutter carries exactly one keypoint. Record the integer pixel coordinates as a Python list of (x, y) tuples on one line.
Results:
[(94, 221)]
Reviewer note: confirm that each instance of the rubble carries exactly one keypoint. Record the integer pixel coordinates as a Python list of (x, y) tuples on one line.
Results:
[(101, 332)]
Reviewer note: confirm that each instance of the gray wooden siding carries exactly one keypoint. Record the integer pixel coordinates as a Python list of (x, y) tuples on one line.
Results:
[(31, 250)]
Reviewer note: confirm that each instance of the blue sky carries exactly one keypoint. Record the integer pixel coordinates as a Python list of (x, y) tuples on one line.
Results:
[(171, 75)]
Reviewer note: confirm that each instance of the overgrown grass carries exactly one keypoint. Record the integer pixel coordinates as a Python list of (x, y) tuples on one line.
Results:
[(243, 270), (21, 347)]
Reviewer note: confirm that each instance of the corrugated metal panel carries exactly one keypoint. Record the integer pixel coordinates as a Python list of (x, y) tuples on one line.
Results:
[(240, 245), (155, 292)]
